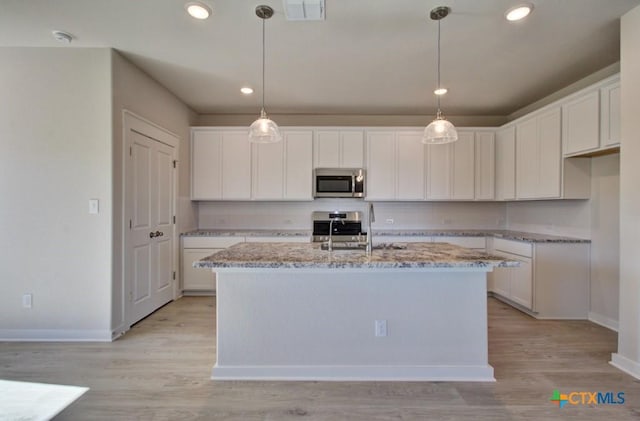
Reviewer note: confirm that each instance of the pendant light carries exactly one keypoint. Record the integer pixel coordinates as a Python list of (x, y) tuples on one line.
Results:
[(264, 130), (439, 130)]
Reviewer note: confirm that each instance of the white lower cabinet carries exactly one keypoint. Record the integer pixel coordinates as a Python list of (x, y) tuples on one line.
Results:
[(515, 283), (552, 281), (201, 281)]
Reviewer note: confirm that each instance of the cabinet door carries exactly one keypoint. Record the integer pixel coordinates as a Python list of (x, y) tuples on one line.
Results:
[(549, 154), (485, 166), (298, 180), (502, 280), (506, 164), (326, 149), (527, 159), (268, 174), (439, 172), (206, 171), (464, 167), (610, 115), (197, 278), (381, 171), (410, 162), (352, 149), (522, 283), (236, 166), (581, 123), (338, 149)]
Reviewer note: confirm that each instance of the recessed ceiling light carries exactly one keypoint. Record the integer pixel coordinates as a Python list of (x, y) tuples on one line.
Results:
[(62, 36), (440, 91), (519, 12), (246, 90), (198, 10)]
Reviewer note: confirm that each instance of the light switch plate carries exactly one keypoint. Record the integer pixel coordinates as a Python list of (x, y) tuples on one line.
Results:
[(94, 206)]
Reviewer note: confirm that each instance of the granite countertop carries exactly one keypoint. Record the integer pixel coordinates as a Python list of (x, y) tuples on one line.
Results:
[(309, 255), (246, 233), (506, 234)]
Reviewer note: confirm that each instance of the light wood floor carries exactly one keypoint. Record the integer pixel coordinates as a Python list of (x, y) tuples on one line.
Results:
[(160, 371)]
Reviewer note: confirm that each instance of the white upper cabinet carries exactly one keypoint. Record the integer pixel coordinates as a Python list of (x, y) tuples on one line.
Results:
[(506, 163), (463, 167), (282, 170), (581, 123), (221, 165), (333, 148), (610, 114), (410, 156), (538, 156), (298, 176), (549, 154), (226, 166), (591, 119), (395, 165), (485, 166), (451, 169)]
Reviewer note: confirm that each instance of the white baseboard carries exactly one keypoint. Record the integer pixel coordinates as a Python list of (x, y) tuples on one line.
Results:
[(355, 373), (625, 364), (603, 321), (55, 335)]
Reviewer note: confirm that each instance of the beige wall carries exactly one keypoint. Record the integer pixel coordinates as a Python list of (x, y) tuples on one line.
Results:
[(605, 239), (135, 91), (628, 356), (55, 136), (346, 120)]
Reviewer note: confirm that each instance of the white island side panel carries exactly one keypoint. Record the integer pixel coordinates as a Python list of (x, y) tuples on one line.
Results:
[(291, 325)]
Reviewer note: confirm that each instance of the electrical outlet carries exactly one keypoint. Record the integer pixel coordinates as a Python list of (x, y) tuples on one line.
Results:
[(389, 221), (27, 300), (380, 328)]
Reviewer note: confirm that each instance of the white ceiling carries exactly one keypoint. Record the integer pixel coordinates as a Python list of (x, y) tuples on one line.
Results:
[(367, 57)]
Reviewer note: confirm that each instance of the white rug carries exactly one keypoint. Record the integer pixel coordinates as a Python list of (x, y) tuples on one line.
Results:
[(21, 401)]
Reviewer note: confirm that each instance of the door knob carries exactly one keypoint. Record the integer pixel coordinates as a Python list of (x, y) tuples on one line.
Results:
[(152, 234), (159, 233)]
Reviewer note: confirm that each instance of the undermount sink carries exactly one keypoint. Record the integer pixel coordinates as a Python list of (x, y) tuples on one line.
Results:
[(363, 246)]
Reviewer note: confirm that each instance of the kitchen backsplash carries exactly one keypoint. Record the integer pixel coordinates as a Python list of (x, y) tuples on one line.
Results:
[(389, 215), (557, 217)]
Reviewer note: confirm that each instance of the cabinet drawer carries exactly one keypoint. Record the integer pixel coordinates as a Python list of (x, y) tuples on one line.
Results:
[(514, 247), (469, 242), (210, 242)]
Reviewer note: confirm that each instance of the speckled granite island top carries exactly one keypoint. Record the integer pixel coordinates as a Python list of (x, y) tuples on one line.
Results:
[(310, 256)]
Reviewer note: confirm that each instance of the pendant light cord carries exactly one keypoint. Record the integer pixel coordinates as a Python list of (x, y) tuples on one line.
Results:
[(263, 55), (438, 99)]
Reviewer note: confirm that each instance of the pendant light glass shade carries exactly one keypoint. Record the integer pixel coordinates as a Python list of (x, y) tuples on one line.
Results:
[(264, 130), (439, 130)]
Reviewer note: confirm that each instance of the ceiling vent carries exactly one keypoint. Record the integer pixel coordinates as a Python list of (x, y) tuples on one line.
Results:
[(304, 9)]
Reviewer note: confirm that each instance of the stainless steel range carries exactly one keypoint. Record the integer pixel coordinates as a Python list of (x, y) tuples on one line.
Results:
[(343, 226)]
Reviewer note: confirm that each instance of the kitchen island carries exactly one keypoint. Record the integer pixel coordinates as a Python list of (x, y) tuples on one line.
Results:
[(291, 311)]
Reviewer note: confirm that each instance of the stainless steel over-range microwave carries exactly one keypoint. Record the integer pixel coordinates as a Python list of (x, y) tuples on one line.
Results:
[(338, 182)]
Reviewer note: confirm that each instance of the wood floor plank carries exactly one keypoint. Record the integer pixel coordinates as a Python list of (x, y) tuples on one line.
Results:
[(160, 370)]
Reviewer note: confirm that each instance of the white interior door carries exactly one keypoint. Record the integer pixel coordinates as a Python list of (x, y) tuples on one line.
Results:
[(149, 193)]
